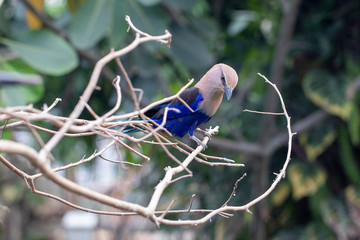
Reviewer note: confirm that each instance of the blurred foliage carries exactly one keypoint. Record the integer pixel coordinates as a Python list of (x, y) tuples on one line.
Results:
[(44, 51), (319, 199), (316, 141)]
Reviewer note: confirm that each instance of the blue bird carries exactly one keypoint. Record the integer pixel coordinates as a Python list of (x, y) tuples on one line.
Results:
[(204, 99)]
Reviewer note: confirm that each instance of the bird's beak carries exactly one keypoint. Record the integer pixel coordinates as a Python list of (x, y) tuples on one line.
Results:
[(228, 92)]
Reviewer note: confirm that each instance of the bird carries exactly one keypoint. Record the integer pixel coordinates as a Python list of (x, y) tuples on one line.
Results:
[(204, 98)]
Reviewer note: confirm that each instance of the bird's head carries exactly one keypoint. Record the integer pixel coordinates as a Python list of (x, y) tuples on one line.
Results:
[(220, 79), (229, 79)]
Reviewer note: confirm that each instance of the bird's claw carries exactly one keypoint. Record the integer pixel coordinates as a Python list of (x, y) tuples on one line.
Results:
[(199, 142), (204, 132)]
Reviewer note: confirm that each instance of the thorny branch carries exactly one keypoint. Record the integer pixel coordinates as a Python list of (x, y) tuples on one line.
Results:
[(110, 126)]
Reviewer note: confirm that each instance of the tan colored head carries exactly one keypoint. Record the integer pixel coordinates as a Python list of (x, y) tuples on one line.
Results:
[(220, 79)]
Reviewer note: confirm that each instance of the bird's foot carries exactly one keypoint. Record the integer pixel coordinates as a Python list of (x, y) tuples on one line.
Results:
[(199, 142), (204, 132)]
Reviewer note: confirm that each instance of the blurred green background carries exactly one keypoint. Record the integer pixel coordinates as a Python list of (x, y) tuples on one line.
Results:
[(310, 49)]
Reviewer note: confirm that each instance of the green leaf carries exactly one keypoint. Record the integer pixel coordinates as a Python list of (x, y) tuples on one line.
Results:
[(183, 5), (206, 28), (14, 83), (149, 2), (16, 65), (354, 126), (144, 64), (20, 95), (152, 20), (240, 20), (352, 67), (348, 159), (117, 26), (5, 21), (44, 51), (305, 179), (190, 49), (328, 91), (281, 192), (316, 141), (90, 23)]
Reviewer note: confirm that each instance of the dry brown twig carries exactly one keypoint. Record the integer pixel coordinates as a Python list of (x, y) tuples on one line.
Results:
[(107, 126)]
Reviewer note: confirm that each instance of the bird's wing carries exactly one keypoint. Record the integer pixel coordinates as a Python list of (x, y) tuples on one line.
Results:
[(191, 96), (154, 110)]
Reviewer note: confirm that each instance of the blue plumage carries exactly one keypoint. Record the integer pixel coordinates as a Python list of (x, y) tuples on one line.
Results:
[(185, 121)]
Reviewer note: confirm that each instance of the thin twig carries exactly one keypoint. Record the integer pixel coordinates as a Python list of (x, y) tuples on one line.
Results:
[(48, 109), (122, 162), (265, 113), (3, 130), (234, 190), (167, 209), (191, 202)]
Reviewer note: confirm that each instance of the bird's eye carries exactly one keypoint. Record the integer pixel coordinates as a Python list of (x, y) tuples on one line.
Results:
[(222, 78)]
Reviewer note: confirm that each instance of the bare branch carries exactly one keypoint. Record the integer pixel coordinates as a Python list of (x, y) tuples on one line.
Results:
[(111, 127)]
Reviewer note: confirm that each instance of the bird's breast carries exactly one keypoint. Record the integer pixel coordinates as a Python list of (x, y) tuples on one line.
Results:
[(211, 103)]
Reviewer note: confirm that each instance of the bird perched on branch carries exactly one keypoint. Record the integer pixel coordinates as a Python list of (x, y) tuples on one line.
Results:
[(203, 99)]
